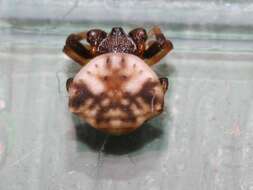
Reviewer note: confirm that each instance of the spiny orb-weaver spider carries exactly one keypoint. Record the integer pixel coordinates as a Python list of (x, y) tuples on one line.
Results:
[(116, 90)]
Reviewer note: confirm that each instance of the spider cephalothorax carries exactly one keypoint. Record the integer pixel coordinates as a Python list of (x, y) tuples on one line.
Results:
[(116, 91), (117, 41)]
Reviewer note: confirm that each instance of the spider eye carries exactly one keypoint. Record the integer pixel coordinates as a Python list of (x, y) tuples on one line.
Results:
[(117, 31), (138, 35)]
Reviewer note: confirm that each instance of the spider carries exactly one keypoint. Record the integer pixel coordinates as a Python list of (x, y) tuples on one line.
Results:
[(116, 90)]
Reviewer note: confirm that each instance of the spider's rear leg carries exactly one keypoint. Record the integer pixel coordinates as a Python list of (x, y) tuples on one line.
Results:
[(165, 83), (68, 83), (158, 48)]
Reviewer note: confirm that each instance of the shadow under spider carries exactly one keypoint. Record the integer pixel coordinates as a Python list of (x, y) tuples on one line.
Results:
[(117, 145)]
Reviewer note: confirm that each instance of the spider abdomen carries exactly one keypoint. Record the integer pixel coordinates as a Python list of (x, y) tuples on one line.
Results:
[(116, 93)]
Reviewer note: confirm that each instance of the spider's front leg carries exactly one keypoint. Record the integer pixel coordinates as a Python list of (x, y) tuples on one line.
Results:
[(158, 48), (76, 50), (83, 53)]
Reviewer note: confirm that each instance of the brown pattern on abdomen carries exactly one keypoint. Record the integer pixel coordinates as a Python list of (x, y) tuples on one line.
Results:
[(116, 109)]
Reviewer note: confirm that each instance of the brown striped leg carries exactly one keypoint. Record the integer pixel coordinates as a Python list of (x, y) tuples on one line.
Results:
[(139, 36), (76, 50), (68, 83), (165, 83), (158, 48)]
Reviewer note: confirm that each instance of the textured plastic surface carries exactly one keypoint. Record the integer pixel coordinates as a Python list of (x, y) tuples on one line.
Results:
[(202, 141)]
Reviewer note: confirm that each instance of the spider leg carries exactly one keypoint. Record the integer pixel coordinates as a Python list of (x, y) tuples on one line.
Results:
[(158, 48), (139, 36), (76, 50), (68, 83), (165, 83)]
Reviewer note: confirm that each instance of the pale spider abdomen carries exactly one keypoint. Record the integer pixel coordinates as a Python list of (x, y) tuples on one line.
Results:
[(116, 93)]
